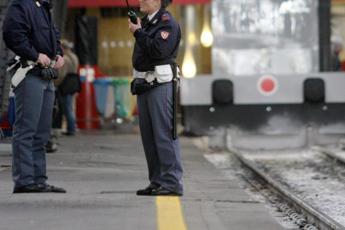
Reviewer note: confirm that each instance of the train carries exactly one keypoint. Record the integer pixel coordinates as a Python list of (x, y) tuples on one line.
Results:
[(273, 83)]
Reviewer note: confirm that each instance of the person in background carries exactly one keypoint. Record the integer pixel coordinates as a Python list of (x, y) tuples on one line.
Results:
[(67, 85), (335, 55)]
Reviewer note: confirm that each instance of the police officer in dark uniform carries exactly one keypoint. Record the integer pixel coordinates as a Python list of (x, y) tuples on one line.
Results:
[(157, 37), (29, 31)]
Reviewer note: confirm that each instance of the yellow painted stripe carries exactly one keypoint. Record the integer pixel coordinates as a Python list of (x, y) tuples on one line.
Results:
[(169, 213)]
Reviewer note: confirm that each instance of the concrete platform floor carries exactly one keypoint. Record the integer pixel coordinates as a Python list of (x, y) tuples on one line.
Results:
[(101, 172)]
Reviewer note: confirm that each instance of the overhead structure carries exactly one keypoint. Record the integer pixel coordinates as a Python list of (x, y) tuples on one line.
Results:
[(122, 3)]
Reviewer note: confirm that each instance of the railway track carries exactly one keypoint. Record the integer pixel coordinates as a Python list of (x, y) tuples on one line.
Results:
[(308, 217), (335, 154)]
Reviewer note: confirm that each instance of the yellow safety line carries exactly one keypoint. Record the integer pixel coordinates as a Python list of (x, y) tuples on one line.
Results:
[(169, 213)]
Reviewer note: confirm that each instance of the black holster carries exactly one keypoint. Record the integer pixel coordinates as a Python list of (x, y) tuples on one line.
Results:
[(140, 86), (175, 85)]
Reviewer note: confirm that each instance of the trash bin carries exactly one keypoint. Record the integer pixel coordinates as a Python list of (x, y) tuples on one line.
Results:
[(104, 97), (123, 102)]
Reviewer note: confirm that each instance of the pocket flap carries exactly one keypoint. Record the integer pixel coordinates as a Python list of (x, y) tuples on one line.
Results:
[(163, 69)]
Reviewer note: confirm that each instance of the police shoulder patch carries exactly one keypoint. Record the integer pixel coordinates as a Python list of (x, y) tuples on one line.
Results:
[(165, 17), (165, 34)]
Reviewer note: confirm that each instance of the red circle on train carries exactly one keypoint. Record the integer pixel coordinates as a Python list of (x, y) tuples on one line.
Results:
[(267, 85)]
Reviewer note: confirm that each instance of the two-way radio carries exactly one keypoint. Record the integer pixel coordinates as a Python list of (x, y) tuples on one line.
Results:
[(131, 14)]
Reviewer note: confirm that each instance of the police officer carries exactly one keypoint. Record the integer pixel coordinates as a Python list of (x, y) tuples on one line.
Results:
[(28, 30), (157, 37)]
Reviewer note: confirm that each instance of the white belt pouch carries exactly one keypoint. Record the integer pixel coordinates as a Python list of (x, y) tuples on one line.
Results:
[(20, 75), (163, 73), (17, 72)]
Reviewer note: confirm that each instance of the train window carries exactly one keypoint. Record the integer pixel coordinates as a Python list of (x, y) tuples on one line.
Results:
[(265, 36)]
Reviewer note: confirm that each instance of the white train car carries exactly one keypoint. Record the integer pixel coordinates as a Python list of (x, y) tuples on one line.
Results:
[(271, 76)]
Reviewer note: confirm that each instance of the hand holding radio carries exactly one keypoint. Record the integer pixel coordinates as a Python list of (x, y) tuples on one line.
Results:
[(131, 14), (134, 27)]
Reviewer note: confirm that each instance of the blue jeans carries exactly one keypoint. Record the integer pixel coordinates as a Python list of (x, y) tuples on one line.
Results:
[(68, 111), (34, 100)]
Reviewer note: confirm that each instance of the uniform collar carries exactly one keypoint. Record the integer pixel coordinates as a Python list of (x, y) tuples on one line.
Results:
[(151, 16), (156, 18)]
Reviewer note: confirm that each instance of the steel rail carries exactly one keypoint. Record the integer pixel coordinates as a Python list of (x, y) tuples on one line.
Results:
[(330, 154), (312, 215)]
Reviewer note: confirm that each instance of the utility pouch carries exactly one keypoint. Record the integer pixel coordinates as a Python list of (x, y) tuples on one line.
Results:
[(140, 86), (17, 69), (163, 73)]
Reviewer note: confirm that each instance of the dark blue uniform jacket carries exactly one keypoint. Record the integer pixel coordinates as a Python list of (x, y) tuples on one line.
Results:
[(28, 29), (157, 42)]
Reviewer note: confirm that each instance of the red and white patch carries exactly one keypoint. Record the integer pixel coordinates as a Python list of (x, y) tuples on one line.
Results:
[(165, 34)]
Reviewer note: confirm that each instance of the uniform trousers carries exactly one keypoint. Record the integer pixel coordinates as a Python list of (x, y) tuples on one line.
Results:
[(161, 151), (34, 100)]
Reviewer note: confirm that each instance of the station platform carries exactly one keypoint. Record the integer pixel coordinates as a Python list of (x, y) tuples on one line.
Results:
[(101, 172)]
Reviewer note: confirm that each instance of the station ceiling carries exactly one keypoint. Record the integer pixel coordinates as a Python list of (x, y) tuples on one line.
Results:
[(338, 1), (122, 3)]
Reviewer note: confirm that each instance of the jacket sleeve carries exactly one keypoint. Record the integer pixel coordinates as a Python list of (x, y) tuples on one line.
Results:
[(16, 32), (161, 45), (59, 50)]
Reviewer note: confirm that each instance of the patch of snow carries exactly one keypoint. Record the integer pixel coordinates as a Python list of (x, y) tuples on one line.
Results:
[(315, 180)]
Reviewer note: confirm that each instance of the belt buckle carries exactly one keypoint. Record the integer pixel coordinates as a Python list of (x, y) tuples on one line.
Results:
[(149, 76)]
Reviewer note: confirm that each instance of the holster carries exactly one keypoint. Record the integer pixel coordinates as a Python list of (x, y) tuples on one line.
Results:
[(175, 90), (140, 86)]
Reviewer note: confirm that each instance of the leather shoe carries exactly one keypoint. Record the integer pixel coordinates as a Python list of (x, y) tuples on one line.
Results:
[(161, 191), (46, 188), (27, 189), (147, 191)]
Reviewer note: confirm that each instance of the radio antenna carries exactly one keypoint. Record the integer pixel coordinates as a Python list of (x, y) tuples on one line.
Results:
[(131, 14), (127, 5)]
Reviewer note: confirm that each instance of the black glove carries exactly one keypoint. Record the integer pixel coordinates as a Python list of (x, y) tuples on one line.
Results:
[(49, 73), (140, 86)]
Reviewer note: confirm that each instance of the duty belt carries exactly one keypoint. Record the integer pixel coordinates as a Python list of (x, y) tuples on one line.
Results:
[(149, 76)]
